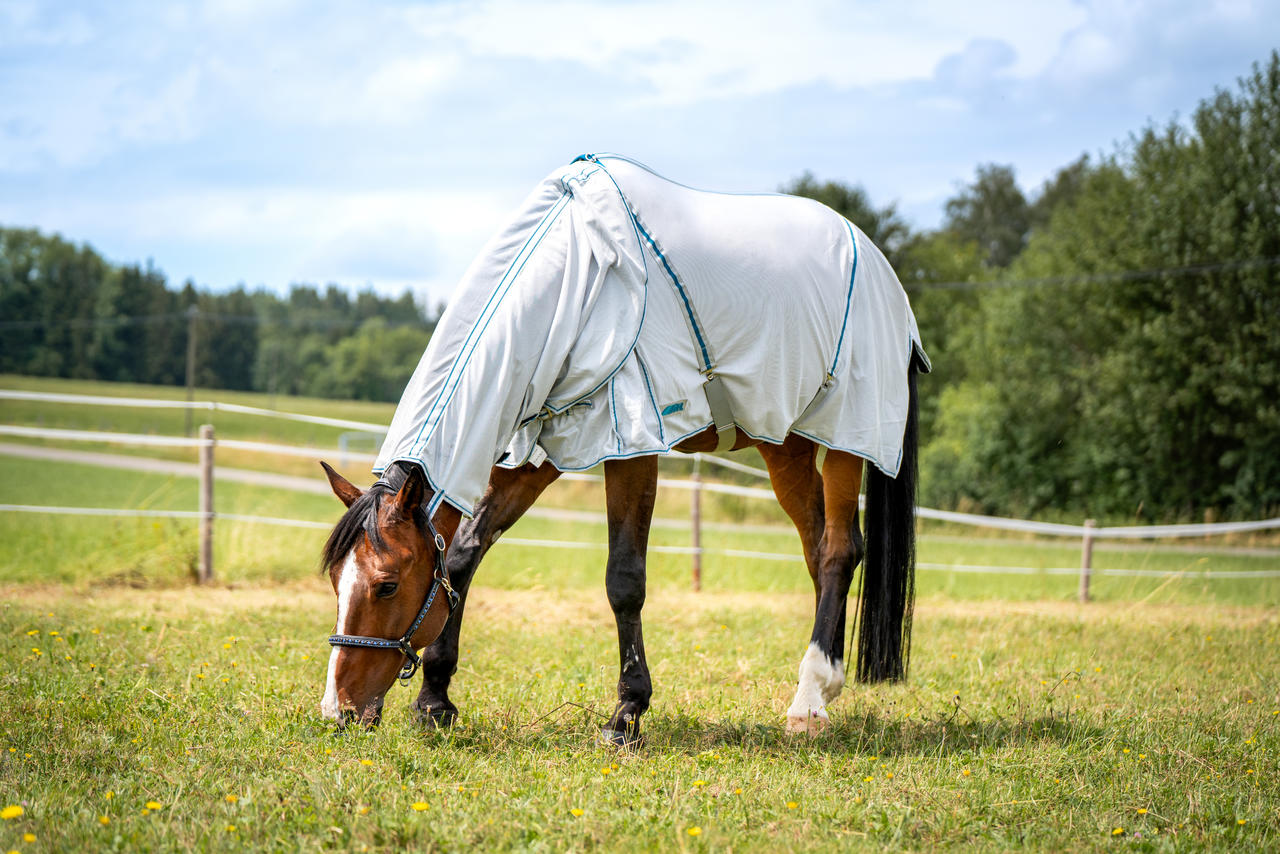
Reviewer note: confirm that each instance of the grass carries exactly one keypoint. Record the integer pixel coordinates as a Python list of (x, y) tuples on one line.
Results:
[(1041, 726), (1027, 722)]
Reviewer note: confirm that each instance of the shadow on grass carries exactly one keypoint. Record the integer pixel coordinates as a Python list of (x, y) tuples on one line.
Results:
[(574, 728)]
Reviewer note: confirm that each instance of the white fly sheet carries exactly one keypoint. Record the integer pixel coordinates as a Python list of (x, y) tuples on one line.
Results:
[(586, 329)]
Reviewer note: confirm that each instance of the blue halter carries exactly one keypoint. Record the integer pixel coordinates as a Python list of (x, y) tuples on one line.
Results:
[(440, 579)]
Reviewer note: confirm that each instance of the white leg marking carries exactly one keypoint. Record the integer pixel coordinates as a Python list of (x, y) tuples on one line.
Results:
[(821, 680), (346, 589)]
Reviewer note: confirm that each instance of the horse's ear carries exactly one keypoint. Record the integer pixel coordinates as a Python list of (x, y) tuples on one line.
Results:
[(346, 491), (412, 494)]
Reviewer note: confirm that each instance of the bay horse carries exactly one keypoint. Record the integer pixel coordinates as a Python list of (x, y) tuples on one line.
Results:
[(557, 354)]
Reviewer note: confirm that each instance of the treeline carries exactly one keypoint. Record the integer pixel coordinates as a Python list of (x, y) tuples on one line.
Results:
[(66, 312), (1109, 346)]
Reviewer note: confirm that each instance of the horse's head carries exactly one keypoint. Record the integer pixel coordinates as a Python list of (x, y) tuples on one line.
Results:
[(382, 561)]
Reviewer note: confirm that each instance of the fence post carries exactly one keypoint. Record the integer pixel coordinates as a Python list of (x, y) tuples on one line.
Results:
[(695, 514), (1086, 558), (205, 570)]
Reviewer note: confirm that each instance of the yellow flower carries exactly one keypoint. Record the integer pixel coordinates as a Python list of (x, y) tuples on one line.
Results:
[(366, 761), (109, 795), (146, 811), (576, 811), (11, 811), (1241, 820), (104, 820), (231, 828), (33, 633), (226, 646), (867, 779), (606, 770), (964, 773), (231, 799), (1117, 831), (363, 810), (153, 805), (419, 806), (699, 782), (694, 831), (1142, 810), (1126, 750), (28, 837), (737, 791), (889, 775), (792, 805)]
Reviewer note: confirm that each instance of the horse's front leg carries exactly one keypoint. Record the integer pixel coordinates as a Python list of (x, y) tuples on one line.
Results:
[(630, 489), (510, 493)]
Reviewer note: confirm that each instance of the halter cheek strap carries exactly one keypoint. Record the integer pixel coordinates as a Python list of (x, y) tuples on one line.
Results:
[(439, 580)]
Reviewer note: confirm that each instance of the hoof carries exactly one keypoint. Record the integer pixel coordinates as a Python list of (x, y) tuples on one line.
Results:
[(619, 738), (811, 725), (435, 718)]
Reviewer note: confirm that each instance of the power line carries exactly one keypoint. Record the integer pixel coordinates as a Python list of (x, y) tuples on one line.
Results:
[(1094, 278)]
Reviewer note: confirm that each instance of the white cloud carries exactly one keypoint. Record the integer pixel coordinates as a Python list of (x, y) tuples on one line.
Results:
[(686, 52)]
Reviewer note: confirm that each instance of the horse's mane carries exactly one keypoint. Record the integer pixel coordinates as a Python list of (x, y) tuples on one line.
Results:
[(361, 519)]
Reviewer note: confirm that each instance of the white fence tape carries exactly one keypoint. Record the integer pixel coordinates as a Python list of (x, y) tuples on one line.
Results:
[(210, 405), (1026, 526), (680, 550)]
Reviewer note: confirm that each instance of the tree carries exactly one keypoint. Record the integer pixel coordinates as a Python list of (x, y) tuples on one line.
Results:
[(993, 213)]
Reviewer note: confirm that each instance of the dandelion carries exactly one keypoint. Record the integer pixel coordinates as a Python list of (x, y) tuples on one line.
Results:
[(1241, 820), (1099, 670), (104, 820), (606, 771), (1126, 750), (366, 761), (867, 779), (226, 646), (231, 799), (33, 633), (576, 812), (146, 811), (1117, 831), (11, 812), (792, 805), (153, 805), (109, 795), (888, 775), (1142, 810), (28, 837), (363, 810), (419, 806), (964, 773), (231, 828), (694, 831), (699, 782), (737, 791)]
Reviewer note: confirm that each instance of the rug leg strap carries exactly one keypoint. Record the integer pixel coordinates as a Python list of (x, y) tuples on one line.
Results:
[(721, 412)]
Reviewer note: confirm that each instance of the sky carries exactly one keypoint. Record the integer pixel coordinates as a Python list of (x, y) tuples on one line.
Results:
[(379, 144)]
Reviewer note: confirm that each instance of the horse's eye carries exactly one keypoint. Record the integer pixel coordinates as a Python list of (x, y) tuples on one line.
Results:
[(386, 589)]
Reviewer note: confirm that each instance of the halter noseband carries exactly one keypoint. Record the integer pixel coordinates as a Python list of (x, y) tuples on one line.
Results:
[(439, 579)]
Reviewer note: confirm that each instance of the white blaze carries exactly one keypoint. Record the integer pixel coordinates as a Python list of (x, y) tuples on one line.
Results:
[(346, 589), (821, 680)]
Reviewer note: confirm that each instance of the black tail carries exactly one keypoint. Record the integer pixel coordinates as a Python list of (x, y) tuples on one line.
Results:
[(889, 569)]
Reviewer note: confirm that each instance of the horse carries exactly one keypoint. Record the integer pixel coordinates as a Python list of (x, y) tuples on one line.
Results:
[(579, 338)]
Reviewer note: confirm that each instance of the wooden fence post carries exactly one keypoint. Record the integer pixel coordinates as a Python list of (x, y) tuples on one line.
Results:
[(695, 516), (205, 569), (1086, 558)]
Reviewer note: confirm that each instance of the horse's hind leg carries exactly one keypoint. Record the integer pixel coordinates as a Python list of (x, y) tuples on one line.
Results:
[(510, 493), (630, 489), (828, 504)]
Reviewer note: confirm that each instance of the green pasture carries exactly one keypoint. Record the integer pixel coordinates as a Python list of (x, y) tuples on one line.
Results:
[(89, 551), (1148, 720)]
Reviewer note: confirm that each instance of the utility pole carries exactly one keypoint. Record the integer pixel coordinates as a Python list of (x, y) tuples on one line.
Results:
[(193, 313)]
